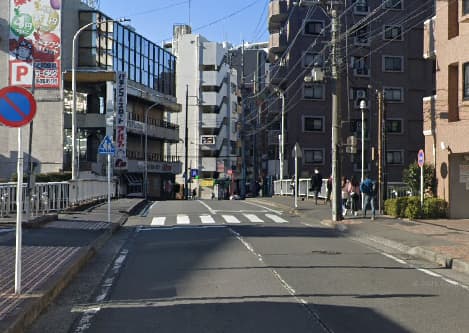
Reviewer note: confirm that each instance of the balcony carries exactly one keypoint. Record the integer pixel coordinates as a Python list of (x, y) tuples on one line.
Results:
[(429, 51), (277, 74), (278, 13), (156, 163), (162, 130), (277, 42)]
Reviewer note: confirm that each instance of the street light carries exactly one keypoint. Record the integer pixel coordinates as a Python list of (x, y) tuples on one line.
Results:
[(145, 172), (363, 109), (74, 91)]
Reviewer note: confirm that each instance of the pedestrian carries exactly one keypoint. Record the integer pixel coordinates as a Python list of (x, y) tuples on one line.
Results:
[(194, 194), (354, 194), (329, 189), (345, 195), (316, 184), (368, 189)]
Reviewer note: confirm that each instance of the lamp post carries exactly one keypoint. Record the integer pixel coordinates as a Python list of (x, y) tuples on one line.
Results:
[(363, 109), (74, 91)]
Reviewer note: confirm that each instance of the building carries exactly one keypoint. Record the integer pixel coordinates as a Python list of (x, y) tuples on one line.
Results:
[(207, 87), (380, 45), (446, 120), (125, 87)]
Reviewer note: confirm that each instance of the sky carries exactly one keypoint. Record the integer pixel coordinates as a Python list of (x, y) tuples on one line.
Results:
[(217, 20)]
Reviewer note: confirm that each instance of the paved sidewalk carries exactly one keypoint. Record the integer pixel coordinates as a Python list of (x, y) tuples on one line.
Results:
[(51, 255), (442, 241)]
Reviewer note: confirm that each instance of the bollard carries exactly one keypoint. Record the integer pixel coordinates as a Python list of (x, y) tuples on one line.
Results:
[(45, 203)]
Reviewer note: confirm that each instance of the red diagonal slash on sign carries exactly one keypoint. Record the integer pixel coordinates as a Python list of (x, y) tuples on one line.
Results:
[(17, 106)]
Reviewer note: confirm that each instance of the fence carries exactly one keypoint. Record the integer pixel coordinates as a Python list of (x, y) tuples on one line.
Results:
[(285, 187), (47, 197)]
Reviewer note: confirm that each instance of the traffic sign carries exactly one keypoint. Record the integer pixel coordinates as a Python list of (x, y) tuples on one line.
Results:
[(106, 146), (17, 106), (421, 158)]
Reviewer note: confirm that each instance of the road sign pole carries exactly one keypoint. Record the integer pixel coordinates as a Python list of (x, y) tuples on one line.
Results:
[(421, 186), (19, 213), (109, 188)]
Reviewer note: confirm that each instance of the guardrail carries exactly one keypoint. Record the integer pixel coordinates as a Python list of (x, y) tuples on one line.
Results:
[(54, 196)]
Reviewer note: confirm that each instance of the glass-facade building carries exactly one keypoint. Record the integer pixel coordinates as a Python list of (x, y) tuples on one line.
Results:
[(115, 46)]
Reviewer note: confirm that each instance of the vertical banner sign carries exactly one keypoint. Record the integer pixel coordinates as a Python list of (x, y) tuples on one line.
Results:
[(35, 40), (121, 122)]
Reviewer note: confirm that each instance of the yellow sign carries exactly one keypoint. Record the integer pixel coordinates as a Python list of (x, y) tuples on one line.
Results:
[(206, 182)]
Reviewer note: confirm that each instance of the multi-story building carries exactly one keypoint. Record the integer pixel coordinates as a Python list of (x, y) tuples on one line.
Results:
[(380, 45), (446, 119), (40, 34), (207, 87)]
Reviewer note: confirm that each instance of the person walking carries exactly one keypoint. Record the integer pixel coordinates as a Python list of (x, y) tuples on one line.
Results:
[(316, 184), (329, 190), (354, 194), (368, 189), (345, 195)]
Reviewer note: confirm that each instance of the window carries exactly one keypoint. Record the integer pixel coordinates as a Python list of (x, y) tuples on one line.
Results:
[(357, 95), (361, 6), (312, 58), (395, 157), (466, 80), (393, 94), (313, 91), (392, 32), (392, 64), (394, 126), (360, 66), (356, 127), (313, 156), (361, 35), (313, 27), (465, 6), (393, 4), (313, 124)]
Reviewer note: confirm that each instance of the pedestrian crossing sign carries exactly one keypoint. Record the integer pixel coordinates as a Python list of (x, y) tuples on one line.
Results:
[(106, 146)]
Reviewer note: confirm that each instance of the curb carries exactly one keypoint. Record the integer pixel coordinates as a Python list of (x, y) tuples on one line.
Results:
[(32, 308)]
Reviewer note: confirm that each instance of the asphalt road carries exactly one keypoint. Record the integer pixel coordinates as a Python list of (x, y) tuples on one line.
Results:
[(232, 266)]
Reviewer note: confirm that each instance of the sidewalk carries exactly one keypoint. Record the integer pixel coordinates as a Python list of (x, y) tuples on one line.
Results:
[(51, 255), (442, 241)]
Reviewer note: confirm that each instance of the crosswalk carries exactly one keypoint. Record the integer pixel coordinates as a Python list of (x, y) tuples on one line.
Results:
[(182, 219)]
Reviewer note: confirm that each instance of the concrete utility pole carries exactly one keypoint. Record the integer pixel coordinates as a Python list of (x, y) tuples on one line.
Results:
[(336, 120), (381, 131), (186, 144)]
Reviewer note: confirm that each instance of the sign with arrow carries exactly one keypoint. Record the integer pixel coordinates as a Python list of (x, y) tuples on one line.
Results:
[(106, 146)]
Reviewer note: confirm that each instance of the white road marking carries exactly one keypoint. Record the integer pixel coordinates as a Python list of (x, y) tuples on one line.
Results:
[(231, 219), (208, 207), (426, 271), (183, 219), (253, 218), (206, 219), (394, 258), (267, 208), (276, 218), (154, 204), (454, 283), (158, 220)]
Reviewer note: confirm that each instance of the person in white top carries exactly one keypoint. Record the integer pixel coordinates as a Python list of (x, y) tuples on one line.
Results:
[(345, 194)]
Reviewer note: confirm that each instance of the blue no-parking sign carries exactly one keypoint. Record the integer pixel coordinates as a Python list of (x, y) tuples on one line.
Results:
[(421, 158), (17, 106)]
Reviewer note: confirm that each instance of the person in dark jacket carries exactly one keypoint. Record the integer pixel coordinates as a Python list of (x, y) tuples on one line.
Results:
[(316, 184), (368, 190)]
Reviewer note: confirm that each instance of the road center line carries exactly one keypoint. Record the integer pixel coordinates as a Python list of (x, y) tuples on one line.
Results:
[(213, 212), (269, 209)]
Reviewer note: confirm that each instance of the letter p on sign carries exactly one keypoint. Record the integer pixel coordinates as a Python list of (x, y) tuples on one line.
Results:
[(21, 73)]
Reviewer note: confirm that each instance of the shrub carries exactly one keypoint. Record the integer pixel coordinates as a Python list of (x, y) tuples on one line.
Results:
[(413, 209), (434, 208), (390, 207), (401, 205)]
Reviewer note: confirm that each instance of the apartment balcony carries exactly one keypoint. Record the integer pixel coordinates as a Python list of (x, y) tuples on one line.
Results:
[(162, 130), (429, 121), (277, 42), (155, 163), (86, 120), (278, 13), (429, 51), (277, 74)]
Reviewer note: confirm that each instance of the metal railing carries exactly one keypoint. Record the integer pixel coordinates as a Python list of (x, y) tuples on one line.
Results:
[(54, 196)]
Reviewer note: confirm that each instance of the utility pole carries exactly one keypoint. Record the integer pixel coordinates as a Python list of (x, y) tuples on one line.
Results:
[(186, 145), (381, 130), (243, 130), (336, 120)]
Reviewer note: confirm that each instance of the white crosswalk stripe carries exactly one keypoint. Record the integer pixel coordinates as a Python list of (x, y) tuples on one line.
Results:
[(276, 218), (231, 219), (158, 220), (253, 218), (206, 219), (183, 219)]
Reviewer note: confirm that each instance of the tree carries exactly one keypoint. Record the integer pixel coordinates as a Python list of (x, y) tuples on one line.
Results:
[(411, 176)]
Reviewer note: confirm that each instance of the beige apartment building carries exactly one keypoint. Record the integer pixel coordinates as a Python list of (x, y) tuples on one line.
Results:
[(381, 47), (446, 114)]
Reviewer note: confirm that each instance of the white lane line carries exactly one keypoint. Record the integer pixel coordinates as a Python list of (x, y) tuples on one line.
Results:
[(454, 283), (183, 219), (276, 218), (426, 271), (206, 219), (394, 258), (253, 218), (183, 227), (158, 220), (213, 212), (267, 208), (231, 219), (154, 204)]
